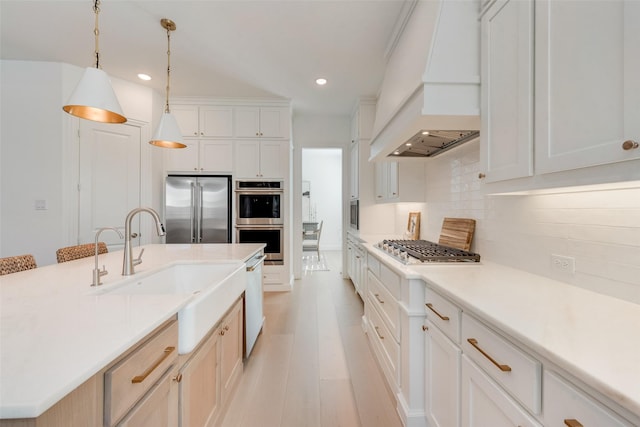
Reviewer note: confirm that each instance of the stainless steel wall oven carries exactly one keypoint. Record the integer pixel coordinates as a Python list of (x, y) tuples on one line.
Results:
[(272, 236), (259, 202)]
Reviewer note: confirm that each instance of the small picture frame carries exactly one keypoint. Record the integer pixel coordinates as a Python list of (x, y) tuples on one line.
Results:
[(413, 226)]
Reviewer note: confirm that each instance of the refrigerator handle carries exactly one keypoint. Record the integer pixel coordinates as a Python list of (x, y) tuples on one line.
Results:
[(201, 212), (192, 212)]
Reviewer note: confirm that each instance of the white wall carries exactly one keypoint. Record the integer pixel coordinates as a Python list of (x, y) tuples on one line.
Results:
[(600, 228), (39, 158), (322, 167)]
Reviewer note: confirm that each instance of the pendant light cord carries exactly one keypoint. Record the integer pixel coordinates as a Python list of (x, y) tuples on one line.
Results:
[(166, 106), (96, 31)]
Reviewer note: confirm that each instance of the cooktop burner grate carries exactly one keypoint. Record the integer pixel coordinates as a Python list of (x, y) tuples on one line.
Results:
[(426, 251)]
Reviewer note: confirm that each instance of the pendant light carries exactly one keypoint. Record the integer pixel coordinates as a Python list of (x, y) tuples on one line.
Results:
[(168, 133), (94, 98)]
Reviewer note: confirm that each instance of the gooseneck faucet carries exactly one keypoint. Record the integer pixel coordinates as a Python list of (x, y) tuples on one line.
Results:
[(97, 273), (129, 262)]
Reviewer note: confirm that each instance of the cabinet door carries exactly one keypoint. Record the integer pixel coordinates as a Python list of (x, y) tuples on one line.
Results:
[(587, 89), (199, 388), (484, 403), (274, 159), (216, 122), (442, 379), (274, 122), (247, 122), (158, 408), (507, 90), (187, 118), (183, 159), (353, 172), (247, 159), (563, 402), (231, 333), (216, 156)]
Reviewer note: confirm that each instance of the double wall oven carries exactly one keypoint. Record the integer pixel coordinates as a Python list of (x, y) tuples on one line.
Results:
[(260, 216)]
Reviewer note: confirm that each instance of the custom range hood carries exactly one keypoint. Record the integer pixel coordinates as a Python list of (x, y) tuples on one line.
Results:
[(429, 101)]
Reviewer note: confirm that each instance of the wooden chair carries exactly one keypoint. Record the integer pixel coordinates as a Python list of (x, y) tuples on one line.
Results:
[(71, 253), (14, 264), (311, 239)]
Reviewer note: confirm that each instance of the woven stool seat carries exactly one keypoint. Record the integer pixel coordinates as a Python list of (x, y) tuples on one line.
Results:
[(14, 264), (80, 251)]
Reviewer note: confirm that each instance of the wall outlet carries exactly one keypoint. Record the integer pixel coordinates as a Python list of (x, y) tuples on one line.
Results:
[(565, 264)]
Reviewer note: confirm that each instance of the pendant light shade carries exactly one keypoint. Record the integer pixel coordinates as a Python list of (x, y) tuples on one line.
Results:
[(168, 133), (94, 98)]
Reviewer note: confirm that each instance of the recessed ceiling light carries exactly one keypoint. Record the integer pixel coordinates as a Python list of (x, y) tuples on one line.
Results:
[(397, 153), (142, 76), (408, 144), (425, 132), (321, 82)]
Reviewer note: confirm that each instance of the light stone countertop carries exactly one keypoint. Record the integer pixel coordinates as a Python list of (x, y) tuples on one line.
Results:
[(594, 337), (56, 331)]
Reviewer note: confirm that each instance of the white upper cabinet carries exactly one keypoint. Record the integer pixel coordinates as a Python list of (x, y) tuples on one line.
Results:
[(204, 121), (507, 90), (207, 155), (397, 181), (354, 156), (587, 88), (261, 159), (262, 122)]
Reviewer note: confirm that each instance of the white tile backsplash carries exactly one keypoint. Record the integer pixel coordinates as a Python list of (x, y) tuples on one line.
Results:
[(599, 228)]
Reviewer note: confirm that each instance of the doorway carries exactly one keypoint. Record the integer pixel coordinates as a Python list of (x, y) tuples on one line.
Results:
[(321, 206)]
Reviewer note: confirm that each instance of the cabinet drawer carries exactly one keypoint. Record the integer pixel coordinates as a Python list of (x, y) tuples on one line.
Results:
[(383, 341), (444, 314), (133, 376), (386, 305), (565, 405), (373, 264), (516, 371), (390, 280)]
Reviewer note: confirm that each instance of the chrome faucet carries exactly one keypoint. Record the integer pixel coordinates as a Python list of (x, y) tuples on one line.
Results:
[(97, 273), (129, 262)]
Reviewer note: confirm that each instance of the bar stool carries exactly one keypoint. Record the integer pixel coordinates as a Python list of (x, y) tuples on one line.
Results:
[(14, 264), (71, 253)]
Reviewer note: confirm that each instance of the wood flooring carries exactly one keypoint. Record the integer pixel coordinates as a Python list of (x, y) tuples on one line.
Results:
[(312, 365)]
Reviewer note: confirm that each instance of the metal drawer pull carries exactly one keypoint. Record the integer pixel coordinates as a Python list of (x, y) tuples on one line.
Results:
[(378, 298), (378, 332), (139, 378), (572, 423), (430, 307), (503, 368)]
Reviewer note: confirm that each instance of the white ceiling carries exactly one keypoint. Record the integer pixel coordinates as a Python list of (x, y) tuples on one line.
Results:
[(223, 48)]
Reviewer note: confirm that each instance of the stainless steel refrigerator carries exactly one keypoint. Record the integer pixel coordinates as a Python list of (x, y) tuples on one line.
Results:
[(198, 209)]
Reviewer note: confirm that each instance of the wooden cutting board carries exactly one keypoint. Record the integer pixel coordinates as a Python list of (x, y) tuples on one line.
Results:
[(457, 233)]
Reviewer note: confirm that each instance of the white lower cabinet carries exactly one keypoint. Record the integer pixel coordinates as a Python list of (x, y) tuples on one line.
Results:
[(442, 379), (484, 403), (565, 405)]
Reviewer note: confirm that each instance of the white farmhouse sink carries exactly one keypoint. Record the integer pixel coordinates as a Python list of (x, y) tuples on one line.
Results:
[(213, 288)]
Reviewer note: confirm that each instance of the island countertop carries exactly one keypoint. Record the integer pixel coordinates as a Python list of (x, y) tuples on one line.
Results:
[(56, 331)]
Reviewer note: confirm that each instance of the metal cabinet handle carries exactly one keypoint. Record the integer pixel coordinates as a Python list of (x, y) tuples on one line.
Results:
[(178, 378), (481, 175), (572, 423), (378, 332), (628, 145), (378, 298), (139, 378), (474, 343), (430, 307), (425, 328)]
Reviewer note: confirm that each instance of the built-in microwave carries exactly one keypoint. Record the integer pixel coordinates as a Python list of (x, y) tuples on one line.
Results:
[(354, 214), (259, 203)]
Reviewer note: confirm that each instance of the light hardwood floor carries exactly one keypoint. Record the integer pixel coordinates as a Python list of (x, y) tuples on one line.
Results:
[(312, 365)]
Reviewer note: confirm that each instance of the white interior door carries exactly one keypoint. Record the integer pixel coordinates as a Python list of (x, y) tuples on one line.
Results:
[(109, 181)]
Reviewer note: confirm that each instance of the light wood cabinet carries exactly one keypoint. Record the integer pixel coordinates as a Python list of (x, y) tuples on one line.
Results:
[(261, 122), (204, 121), (586, 83), (211, 371), (506, 147), (261, 159), (201, 156)]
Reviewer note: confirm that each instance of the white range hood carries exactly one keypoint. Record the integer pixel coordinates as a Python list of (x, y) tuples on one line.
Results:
[(432, 81)]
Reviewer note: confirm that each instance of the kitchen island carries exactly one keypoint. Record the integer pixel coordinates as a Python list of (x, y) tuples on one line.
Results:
[(58, 332), (476, 340)]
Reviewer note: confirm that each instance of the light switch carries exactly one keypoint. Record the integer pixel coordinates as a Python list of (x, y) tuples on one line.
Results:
[(41, 205)]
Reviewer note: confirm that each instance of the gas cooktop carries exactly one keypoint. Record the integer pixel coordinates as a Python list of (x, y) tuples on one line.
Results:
[(424, 251)]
